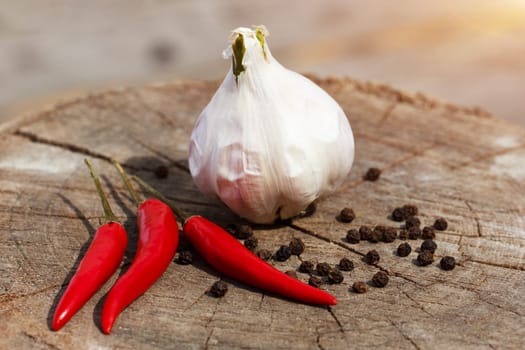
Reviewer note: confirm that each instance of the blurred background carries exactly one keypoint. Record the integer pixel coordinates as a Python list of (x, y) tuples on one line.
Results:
[(470, 52)]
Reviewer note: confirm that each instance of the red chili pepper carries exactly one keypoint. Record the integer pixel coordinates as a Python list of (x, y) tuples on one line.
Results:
[(232, 259), (157, 245), (98, 264)]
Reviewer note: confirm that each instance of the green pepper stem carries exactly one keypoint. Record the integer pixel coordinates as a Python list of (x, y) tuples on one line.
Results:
[(108, 213), (126, 181), (183, 216)]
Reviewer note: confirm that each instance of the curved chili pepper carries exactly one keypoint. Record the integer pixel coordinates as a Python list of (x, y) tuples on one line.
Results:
[(232, 259), (157, 245), (98, 264)]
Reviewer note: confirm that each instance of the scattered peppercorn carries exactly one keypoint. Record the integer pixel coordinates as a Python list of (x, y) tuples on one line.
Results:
[(404, 249), (403, 234), (447, 263), (161, 172), (346, 264), (375, 236), (428, 233), (425, 258), (410, 210), (440, 224), (364, 233), (291, 273), (296, 246), (346, 215), (335, 276), (414, 232), (359, 287), (429, 245), (398, 214), (412, 221), (306, 267), (322, 269), (264, 254), (372, 174), (380, 279), (244, 232), (218, 289), (389, 235), (315, 281), (353, 236), (283, 253), (251, 243), (184, 257), (372, 257)]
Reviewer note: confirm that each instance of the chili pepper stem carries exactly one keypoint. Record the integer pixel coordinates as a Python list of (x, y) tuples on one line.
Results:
[(183, 216), (108, 213), (126, 181)]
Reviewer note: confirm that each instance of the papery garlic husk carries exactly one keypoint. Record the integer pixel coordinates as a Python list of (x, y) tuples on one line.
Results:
[(270, 141)]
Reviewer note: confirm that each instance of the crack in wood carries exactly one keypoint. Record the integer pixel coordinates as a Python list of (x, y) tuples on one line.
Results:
[(504, 266), (387, 113), (404, 335), (9, 297), (476, 217), (63, 145), (339, 324), (487, 156), (37, 340)]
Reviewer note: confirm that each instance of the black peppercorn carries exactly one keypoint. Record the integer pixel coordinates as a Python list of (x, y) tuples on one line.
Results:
[(264, 254), (447, 263), (372, 174), (322, 269), (410, 210), (389, 235), (440, 224), (425, 258), (428, 245), (218, 289), (375, 235), (414, 232), (161, 172), (335, 276), (372, 257), (185, 257), (359, 287), (398, 214), (380, 279), (353, 236), (315, 281), (412, 221), (404, 249), (346, 264), (243, 232), (364, 233), (306, 267), (283, 253), (296, 246), (403, 234), (251, 243), (428, 233), (347, 215)]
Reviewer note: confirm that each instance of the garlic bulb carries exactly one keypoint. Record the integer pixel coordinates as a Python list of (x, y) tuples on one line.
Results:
[(270, 141)]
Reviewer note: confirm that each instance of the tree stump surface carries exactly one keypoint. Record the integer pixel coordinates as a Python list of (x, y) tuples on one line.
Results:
[(453, 162)]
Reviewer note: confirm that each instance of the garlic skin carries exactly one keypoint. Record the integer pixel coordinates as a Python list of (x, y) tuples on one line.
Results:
[(270, 141)]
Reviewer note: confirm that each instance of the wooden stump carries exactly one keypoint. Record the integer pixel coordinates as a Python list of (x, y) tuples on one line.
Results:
[(454, 162)]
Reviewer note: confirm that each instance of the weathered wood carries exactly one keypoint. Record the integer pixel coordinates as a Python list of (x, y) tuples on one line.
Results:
[(450, 161)]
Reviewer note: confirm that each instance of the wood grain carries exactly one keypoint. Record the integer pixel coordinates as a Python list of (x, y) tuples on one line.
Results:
[(450, 161)]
